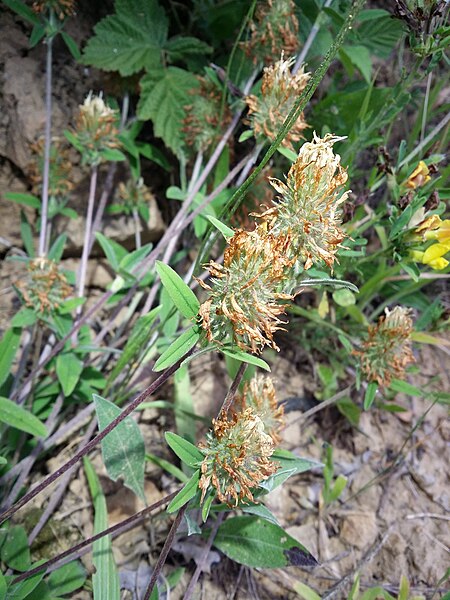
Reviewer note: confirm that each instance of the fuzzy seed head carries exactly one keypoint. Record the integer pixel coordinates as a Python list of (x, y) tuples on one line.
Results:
[(134, 193), (387, 350), (237, 457), (273, 29), (244, 305), (61, 8), (279, 91), (45, 288), (309, 204), (259, 394)]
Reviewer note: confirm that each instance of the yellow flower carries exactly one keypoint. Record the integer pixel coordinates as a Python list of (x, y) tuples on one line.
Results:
[(419, 177)]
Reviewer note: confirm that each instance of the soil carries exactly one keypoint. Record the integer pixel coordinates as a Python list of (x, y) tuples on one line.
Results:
[(393, 516)]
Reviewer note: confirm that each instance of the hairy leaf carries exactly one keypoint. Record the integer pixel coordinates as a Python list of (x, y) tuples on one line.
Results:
[(130, 40), (164, 94)]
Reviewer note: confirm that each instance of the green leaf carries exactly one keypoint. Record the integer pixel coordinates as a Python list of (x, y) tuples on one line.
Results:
[(123, 448), (67, 578), (20, 418), (3, 586), (359, 56), (245, 357), (256, 542), (23, 11), (105, 579), (24, 318), (397, 385), (261, 511), (129, 40), (369, 396), (185, 494), (56, 251), (113, 155), (15, 551), (344, 297), (114, 252), (21, 590), (338, 488), (180, 47), (305, 591), (25, 199), (68, 371), (167, 466), (186, 452), (380, 35), (185, 424), (226, 231), (26, 232), (133, 259), (71, 45), (177, 349), (164, 94), (8, 349), (181, 294), (290, 465)]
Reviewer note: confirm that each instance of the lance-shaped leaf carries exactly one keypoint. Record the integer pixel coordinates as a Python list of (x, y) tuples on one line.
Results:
[(181, 294)]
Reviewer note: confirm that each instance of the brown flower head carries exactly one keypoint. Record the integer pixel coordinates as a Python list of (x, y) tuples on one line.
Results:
[(387, 350), (206, 118), (45, 288), (61, 8), (134, 193), (279, 91), (309, 204), (59, 172), (244, 305), (237, 454), (259, 394), (96, 128), (273, 29)]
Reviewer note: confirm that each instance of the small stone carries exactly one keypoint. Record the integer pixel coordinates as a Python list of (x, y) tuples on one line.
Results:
[(359, 530)]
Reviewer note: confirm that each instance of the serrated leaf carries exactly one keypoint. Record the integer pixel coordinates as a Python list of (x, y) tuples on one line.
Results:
[(20, 418), (186, 452), (123, 448), (164, 94), (68, 370), (180, 47), (180, 293), (177, 349), (245, 357), (130, 40), (185, 494), (255, 542)]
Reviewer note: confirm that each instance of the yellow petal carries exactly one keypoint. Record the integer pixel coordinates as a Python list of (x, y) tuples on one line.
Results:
[(432, 222), (438, 263), (420, 176), (434, 251), (416, 255)]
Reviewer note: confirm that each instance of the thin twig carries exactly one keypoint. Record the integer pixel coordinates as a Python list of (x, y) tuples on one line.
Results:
[(47, 143), (203, 557), (115, 530), (227, 403), (87, 234), (164, 552), (98, 438)]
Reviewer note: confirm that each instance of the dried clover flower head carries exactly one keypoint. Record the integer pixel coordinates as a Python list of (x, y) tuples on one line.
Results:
[(387, 350), (96, 128), (309, 203), (60, 168), (237, 454), (205, 118), (279, 91), (134, 193), (259, 394), (46, 286), (61, 8), (274, 29), (243, 306)]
